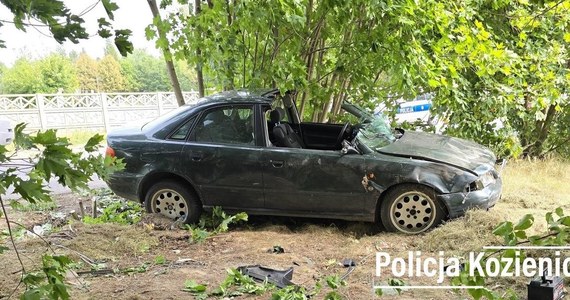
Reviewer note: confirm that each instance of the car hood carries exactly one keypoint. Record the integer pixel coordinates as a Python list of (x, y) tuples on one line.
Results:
[(460, 153)]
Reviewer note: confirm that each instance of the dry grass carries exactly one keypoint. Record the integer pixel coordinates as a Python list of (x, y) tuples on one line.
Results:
[(110, 241), (529, 187), (537, 184), (468, 233)]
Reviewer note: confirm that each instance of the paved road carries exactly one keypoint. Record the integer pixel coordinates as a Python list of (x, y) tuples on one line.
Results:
[(53, 185)]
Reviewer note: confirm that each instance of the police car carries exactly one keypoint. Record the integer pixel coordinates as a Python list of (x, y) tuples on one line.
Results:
[(416, 111)]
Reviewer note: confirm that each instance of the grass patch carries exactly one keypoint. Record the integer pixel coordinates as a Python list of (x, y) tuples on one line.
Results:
[(468, 233), (38, 206), (79, 137), (537, 184), (111, 241)]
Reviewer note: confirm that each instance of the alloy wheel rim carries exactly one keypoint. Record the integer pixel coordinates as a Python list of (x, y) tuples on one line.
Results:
[(413, 212), (169, 203)]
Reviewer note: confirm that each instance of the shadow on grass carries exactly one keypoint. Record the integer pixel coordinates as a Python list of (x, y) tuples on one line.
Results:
[(298, 224)]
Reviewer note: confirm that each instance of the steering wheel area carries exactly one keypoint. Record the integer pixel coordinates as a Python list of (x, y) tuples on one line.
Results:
[(341, 135)]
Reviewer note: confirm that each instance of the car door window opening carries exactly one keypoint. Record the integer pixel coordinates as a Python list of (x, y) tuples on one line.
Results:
[(226, 125)]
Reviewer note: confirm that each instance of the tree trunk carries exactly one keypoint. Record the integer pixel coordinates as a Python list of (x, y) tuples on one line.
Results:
[(167, 56), (541, 132), (199, 73), (329, 103)]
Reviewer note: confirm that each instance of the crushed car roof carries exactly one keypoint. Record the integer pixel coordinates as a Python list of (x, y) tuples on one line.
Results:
[(254, 95)]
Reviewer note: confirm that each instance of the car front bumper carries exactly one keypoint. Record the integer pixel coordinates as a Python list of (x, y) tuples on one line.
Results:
[(458, 203)]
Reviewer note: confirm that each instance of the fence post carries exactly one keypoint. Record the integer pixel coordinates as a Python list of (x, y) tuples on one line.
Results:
[(159, 100), (105, 112), (41, 111)]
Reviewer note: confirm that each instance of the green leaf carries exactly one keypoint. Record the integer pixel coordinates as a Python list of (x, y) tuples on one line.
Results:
[(549, 218), (93, 142), (559, 211), (521, 234), (503, 228), (21, 139), (32, 294), (525, 222), (160, 260), (122, 41), (475, 293), (110, 7)]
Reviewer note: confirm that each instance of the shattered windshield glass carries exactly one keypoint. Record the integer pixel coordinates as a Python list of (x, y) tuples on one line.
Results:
[(377, 133)]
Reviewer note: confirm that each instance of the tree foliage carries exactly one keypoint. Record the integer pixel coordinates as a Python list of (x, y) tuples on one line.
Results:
[(483, 60), (21, 78), (52, 158), (87, 73), (57, 74), (52, 74), (65, 25), (146, 72), (111, 78)]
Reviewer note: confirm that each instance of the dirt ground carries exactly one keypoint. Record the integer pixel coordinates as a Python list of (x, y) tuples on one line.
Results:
[(314, 248)]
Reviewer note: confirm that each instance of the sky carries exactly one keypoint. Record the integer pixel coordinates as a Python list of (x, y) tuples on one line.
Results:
[(37, 42)]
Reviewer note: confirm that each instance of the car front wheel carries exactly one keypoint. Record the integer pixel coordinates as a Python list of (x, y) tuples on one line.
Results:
[(173, 200), (410, 209)]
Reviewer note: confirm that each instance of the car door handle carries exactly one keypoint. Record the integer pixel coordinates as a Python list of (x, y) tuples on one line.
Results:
[(196, 156), (277, 163)]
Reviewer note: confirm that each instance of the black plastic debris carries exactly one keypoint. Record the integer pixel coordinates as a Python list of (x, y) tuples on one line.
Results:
[(350, 264), (279, 278), (347, 262), (276, 249), (546, 288)]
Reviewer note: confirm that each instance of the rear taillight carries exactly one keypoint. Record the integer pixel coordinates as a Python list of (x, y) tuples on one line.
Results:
[(110, 152)]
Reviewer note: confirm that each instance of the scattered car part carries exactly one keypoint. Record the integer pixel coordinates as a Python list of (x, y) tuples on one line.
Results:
[(281, 279), (546, 288), (347, 262), (276, 249), (350, 264)]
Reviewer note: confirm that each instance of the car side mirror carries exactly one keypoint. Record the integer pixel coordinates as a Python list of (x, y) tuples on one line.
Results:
[(348, 148)]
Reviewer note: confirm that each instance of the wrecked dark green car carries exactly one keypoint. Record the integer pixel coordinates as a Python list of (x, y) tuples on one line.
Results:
[(248, 151)]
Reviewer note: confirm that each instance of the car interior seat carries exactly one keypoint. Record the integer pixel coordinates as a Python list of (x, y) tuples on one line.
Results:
[(284, 135)]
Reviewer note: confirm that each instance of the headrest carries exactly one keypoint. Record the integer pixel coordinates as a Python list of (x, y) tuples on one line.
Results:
[(277, 115), (217, 116)]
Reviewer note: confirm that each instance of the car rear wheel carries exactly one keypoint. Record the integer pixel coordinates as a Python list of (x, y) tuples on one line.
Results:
[(173, 200), (411, 209)]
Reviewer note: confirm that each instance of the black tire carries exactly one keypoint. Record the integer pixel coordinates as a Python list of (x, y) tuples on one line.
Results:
[(173, 200), (410, 209)]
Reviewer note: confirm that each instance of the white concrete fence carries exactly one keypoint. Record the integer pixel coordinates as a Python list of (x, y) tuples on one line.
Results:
[(96, 111)]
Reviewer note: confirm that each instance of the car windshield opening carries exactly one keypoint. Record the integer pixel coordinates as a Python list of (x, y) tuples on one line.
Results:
[(377, 133)]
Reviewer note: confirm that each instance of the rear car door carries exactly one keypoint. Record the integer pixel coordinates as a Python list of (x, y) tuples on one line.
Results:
[(222, 158)]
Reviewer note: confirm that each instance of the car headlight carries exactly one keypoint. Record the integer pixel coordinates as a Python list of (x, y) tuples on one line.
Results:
[(482, 182)]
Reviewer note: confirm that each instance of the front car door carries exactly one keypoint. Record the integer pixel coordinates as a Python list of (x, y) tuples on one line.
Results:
[(222, 158), (313, 182)]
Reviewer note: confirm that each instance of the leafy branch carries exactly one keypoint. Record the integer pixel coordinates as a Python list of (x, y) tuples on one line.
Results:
[(53, 158), (557, 234)]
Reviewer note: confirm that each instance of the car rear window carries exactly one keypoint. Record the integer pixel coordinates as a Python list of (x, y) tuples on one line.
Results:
[(168, 116)]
